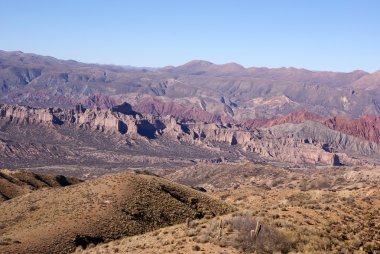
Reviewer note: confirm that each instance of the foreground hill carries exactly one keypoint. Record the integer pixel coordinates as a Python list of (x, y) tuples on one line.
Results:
[(331, 210), (59, 220), (17, 183)]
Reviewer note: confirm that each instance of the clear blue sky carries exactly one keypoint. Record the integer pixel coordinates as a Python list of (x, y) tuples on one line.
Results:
[(337, 35)]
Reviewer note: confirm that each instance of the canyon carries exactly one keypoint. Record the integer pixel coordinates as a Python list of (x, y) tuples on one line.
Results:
[(119, 134)]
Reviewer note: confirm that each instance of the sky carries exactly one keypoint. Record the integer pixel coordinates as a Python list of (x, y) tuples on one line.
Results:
[(334, 35)]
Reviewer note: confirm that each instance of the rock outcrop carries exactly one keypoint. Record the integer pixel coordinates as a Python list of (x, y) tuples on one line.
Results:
[(303, 142), (299, 148), (116, 120)]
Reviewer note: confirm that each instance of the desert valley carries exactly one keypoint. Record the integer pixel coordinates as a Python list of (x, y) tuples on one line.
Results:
[(198, 158)]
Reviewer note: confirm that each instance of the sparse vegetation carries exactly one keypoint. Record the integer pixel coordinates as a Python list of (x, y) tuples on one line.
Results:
[(254, 236), (87, 214), (335, 219)]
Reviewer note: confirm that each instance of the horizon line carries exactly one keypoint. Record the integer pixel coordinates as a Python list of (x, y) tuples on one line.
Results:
[(187, 62)]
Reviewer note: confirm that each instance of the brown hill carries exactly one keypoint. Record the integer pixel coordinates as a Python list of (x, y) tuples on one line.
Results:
[(17, 183), (327, 210), (100, 210)]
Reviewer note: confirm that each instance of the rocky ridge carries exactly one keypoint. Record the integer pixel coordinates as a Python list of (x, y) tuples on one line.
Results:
[(305, 142)]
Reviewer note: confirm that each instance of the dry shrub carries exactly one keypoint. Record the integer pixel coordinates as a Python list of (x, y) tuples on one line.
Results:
[(269, 240), (196, 248)]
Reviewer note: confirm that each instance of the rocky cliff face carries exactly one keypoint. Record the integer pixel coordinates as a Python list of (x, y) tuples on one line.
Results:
[(302, 143), (115, 121), (365, 127), (286, 143), (21, 114)]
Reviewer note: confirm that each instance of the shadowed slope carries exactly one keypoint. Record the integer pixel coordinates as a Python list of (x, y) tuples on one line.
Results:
[(17, 183)]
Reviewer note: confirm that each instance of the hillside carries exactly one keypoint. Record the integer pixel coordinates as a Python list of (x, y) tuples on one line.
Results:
[(15, 183), (328, 210), (97, 211)]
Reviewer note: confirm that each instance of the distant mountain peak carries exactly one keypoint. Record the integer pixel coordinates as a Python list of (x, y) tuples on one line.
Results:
[(201, 67), (197, 63)]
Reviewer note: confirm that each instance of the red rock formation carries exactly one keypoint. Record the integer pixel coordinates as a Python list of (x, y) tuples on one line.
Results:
[(366, 127), (294, 117)]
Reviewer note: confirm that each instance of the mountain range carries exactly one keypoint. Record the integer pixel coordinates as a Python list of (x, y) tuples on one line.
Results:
[(198, 158), (64, 111), (198, 89)]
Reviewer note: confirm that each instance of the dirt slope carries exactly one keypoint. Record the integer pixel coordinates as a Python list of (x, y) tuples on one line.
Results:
[(17, 183), (98, 211), (329, 210)]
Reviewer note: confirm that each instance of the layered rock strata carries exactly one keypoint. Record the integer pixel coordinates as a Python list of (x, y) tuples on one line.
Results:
[(307, 142)]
